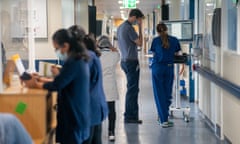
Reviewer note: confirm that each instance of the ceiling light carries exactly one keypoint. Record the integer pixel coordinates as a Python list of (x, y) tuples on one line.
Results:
[(210, 4), (137, 2), (121, 11), (120, 2), (121, 7)]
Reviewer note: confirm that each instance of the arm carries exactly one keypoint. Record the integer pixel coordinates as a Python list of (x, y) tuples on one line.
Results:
[(182, 69), (139, 41)]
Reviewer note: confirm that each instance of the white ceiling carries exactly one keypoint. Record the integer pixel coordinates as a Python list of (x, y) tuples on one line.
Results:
[(112, 7)]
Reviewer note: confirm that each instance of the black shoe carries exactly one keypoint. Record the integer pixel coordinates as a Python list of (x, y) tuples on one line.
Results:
[(134, 121)]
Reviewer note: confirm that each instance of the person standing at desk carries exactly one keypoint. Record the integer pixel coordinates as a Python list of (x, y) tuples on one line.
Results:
[(72, 85), (164, 47), (128, 42)]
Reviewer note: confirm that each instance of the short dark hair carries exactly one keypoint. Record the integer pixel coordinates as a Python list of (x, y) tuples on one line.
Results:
[(136, 12)]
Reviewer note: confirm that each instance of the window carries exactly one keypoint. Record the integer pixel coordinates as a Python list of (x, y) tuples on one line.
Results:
[(232, 25)]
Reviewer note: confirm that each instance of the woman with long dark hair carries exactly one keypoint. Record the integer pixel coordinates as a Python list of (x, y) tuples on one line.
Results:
[(72, 84), (99, 108), (164, 47)]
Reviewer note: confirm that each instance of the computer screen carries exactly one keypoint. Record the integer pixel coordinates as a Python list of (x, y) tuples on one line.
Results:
[(183, 30)]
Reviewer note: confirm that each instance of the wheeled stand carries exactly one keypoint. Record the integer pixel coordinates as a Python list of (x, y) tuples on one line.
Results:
[(185, 111)]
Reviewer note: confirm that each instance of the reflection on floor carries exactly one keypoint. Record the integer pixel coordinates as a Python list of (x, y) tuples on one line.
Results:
[(194, 132)]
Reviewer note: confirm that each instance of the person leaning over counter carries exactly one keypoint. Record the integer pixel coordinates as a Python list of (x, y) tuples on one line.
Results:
[(72, 85)]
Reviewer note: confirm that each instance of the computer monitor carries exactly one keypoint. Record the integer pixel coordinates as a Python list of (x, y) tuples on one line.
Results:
[(183, 30)]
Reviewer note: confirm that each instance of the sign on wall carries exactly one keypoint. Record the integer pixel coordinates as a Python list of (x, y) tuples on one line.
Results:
[(129, 3), (19, 19)]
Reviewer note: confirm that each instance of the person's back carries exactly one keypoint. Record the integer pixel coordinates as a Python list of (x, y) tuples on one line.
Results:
[(163, 47), (162, 54), (12, 131), (98, 102), (97, 97)]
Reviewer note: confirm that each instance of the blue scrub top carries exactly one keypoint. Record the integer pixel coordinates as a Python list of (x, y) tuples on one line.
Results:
[(164, 55), (99, 108)]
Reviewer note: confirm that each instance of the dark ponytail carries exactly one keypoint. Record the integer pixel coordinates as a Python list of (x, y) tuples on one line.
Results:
[(88, 40), (90, 43), (76, 49), (162, 30)]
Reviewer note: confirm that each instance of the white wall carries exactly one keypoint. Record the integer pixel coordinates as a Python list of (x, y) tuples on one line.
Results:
[(231, 105), (219, 106), (81, 16), (44, 48), (67, 13), (56, 20)]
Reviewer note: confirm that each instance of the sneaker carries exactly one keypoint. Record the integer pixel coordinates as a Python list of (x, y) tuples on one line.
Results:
[(167, 124), (111, 138)]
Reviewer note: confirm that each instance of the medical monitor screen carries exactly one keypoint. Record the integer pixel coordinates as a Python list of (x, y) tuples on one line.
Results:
[(183, 30)]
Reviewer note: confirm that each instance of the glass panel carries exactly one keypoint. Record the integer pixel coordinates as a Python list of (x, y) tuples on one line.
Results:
[(14, 31), (232, 26)]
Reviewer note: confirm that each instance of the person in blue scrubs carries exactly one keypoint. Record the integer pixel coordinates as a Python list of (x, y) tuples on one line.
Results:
[(72, 85), (99, 107), (163, 47)]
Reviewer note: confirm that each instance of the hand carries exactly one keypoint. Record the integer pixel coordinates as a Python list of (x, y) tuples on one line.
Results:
[(182, 70), (114, 49), (139, 20), (30, 83), (55, 70)]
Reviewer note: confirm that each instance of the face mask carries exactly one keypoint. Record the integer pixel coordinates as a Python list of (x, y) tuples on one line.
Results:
[(61, 56), (135, 22)]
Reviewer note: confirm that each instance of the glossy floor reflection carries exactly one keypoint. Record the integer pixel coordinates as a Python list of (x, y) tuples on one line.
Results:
[(194, 132)]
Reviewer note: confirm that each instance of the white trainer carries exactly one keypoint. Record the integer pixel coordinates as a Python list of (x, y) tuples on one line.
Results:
[(111, 138)]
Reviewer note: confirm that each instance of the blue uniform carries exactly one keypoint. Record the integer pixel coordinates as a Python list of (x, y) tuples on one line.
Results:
[(99, 108), (73, 115), (163, 74)]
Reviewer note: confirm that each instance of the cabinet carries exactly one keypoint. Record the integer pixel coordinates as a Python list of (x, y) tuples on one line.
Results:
[(33, 107)]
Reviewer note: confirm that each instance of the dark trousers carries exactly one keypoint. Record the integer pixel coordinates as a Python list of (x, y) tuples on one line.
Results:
[(111, 117), (132, 71), (95, 135), (162, 81)]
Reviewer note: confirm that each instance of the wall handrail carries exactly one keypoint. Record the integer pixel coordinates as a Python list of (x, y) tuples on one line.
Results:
[(220, 81)]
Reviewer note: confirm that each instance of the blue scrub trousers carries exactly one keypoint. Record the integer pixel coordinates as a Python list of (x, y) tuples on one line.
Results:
[(132, 70), (162, 80)]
